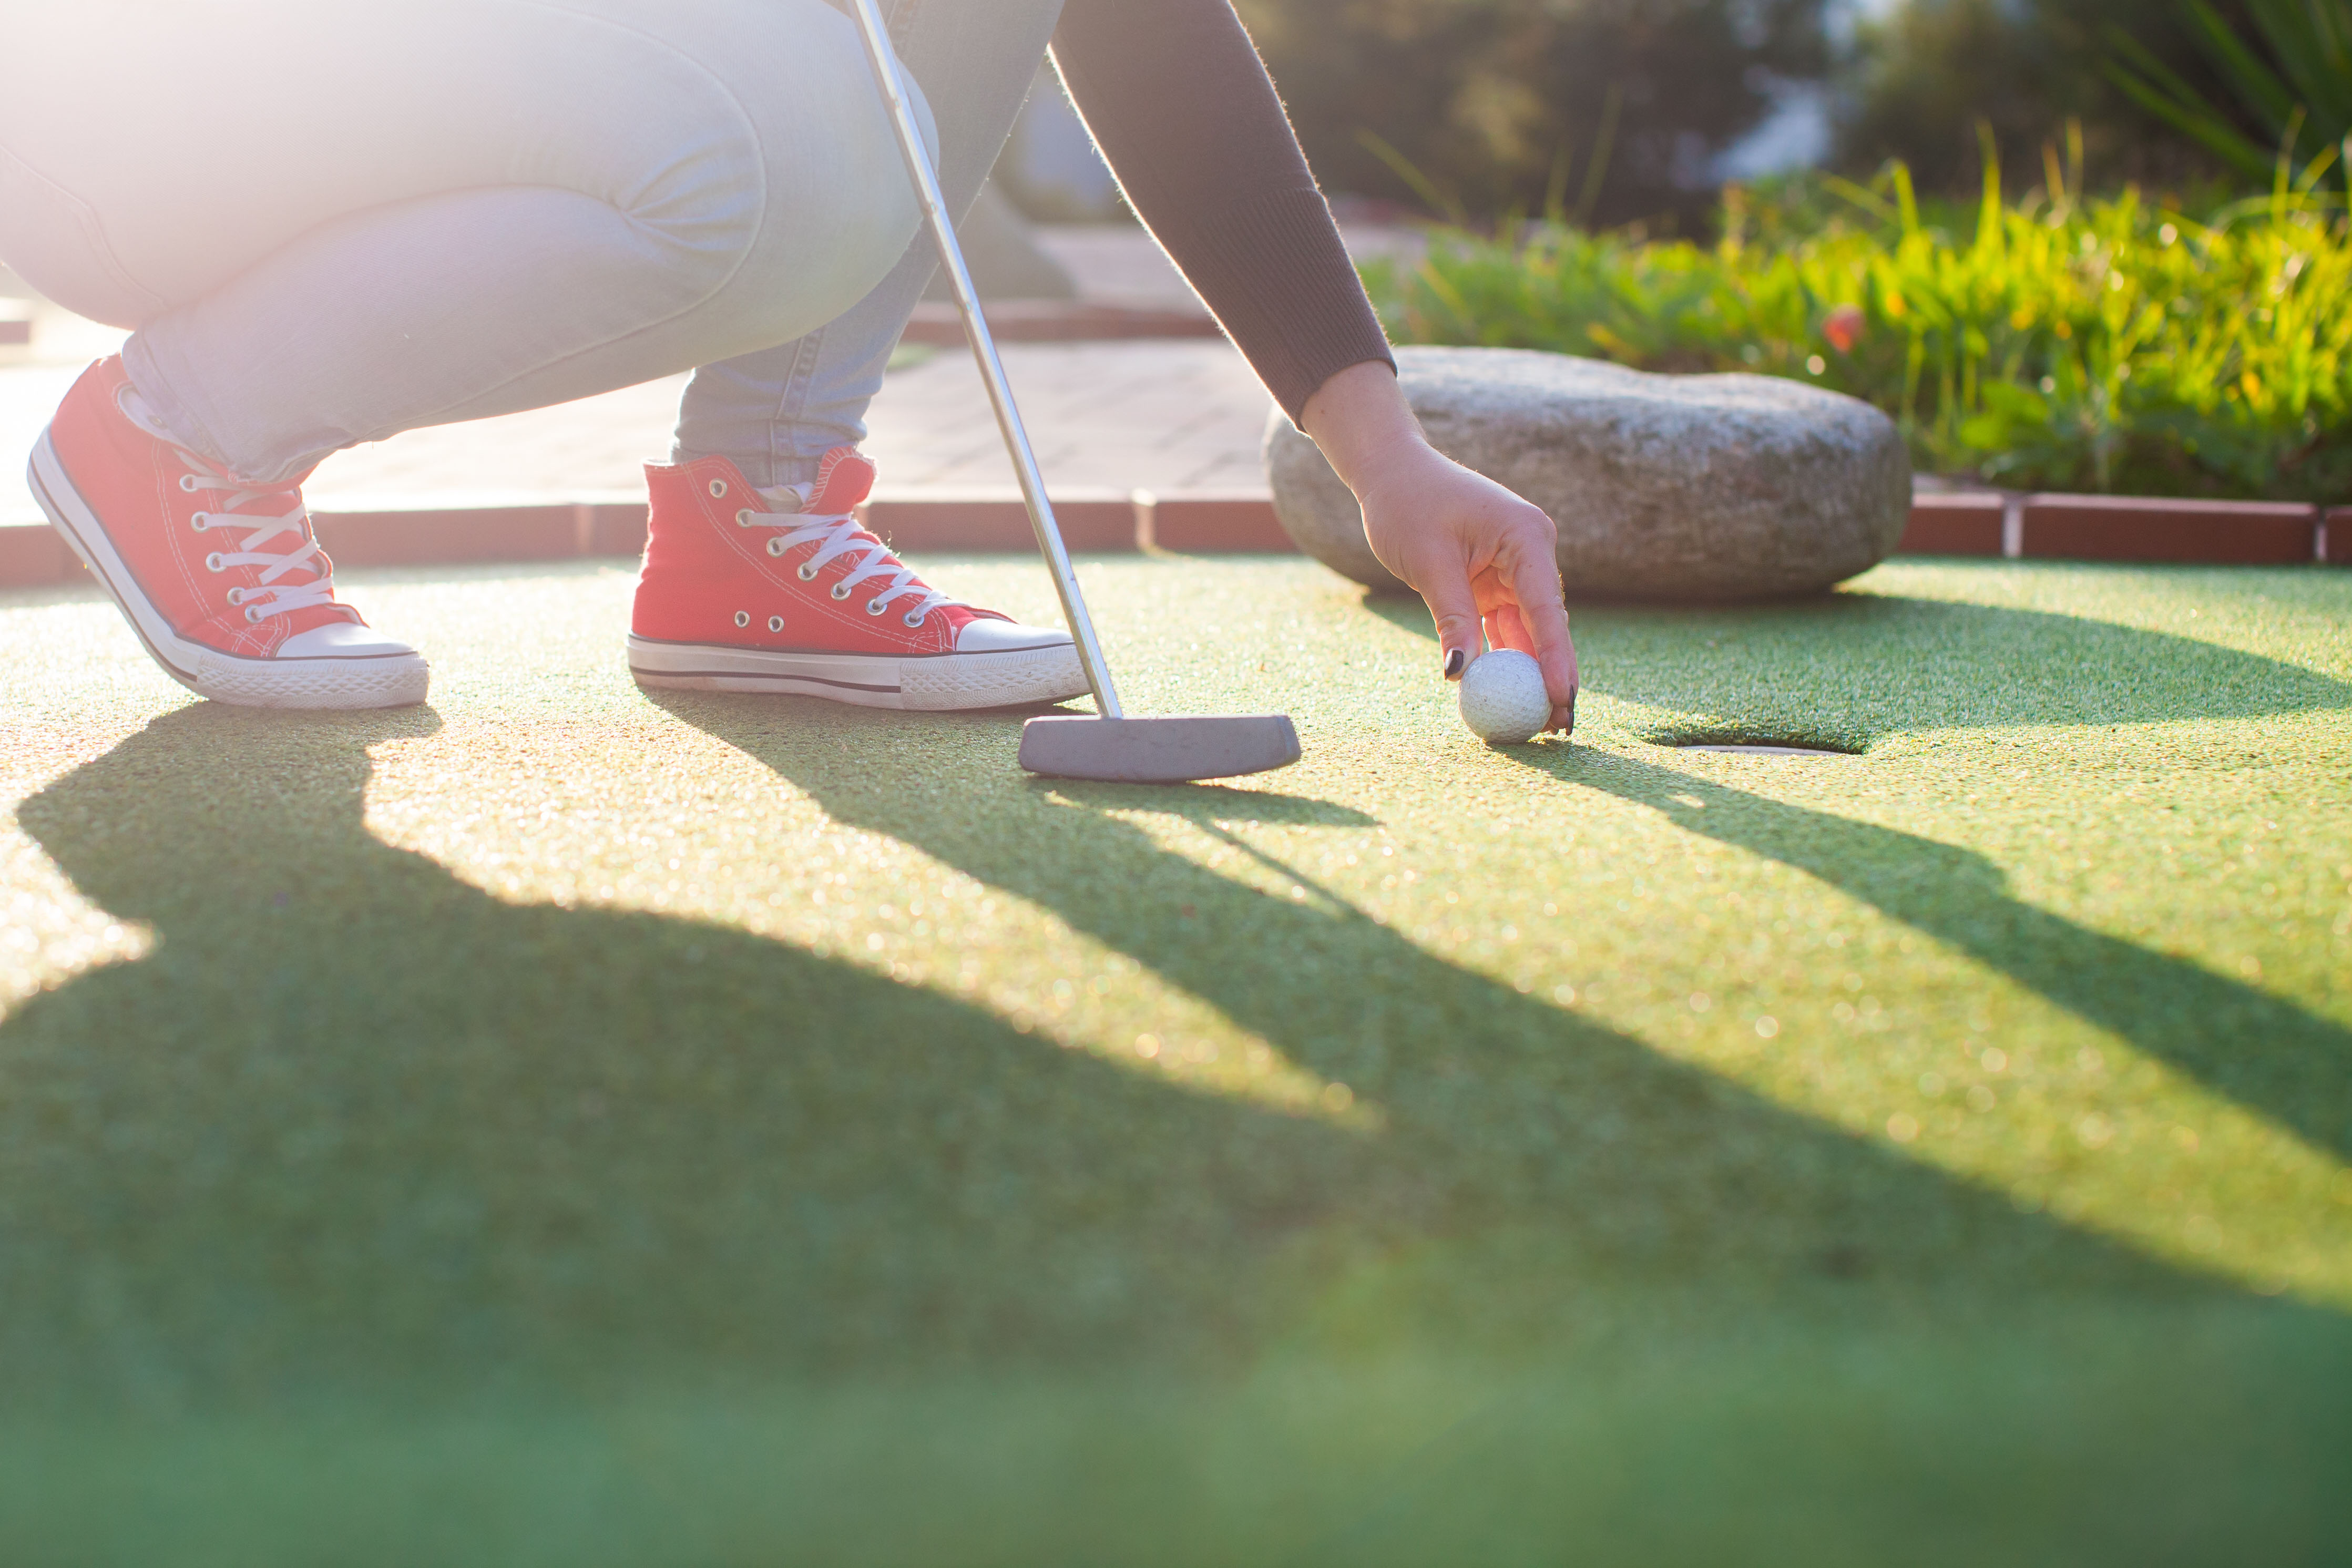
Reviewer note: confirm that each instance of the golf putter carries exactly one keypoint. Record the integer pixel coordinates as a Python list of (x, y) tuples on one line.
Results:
[(1109, 746)]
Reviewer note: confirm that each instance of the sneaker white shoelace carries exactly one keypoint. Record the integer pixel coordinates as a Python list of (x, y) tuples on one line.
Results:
[(835, 535), (269, 597)]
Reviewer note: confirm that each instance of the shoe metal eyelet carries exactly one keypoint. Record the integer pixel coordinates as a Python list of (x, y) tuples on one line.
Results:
[(235, 596), (775, 547), (775, 622), (743, 518), (875, 607), (188, 483), (253, 616), (200, 521), (911, 622), (717, 487), (213, 562), (840, 590), (742, 618), (806, 573)]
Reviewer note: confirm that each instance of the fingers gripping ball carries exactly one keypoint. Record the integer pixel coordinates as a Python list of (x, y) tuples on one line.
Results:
[(1503, 697)]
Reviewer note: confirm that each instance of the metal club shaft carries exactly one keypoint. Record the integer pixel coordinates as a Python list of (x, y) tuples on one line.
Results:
[(886, 75)]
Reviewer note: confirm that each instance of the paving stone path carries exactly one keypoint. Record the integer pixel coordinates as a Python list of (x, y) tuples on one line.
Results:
[(1108, 418)]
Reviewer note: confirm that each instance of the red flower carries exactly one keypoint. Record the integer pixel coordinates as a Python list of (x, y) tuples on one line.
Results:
[(1844, 327)]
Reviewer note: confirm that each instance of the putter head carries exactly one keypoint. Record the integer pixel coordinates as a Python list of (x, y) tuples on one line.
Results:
[(1156, 750)]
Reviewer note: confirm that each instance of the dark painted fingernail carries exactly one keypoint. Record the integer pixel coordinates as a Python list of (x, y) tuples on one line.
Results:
[(1570, 728), (1454, 662)]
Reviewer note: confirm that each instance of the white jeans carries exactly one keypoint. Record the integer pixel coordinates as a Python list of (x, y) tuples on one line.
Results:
[(330, 221)]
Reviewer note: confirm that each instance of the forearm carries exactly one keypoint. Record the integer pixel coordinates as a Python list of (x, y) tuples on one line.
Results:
[(1360, 420), (1176, 99)]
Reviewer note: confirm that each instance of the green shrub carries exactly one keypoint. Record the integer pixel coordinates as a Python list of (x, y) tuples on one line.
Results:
[(2100, 344)]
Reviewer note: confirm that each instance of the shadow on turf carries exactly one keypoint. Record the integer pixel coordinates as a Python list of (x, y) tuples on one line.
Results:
[(1503, 1114), (354, 1115), (1845, 668), (357, 1127), (2264, 1052)]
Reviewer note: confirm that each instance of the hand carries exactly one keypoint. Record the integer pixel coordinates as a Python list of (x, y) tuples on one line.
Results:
[(1478, 555)]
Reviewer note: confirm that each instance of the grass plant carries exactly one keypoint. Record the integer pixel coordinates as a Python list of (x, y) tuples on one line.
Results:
[(565, 1125), (2061, 342)]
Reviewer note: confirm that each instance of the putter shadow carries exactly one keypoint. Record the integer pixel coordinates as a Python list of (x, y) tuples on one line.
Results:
[(2261, 1050), (1206, 804), (1846, 668)]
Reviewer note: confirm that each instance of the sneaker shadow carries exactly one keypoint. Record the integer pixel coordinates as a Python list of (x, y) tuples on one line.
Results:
[(2265, 1052), (354, 1122)]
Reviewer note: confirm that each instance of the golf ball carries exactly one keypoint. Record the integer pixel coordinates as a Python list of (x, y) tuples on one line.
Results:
[(1503, 697)]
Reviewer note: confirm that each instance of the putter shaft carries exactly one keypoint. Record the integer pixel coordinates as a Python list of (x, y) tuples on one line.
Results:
[(885, 61)]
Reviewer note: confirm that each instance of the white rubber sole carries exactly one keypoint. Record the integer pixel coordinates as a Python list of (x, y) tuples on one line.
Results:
[(381, 680), (929, 683)]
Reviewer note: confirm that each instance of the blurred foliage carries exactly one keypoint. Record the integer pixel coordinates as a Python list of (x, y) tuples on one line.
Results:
[(1615, 108), (2057, 342), (1919, 79), (1619, 110), (2299, 98)]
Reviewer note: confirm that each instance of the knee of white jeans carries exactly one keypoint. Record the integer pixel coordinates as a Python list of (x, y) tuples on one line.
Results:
[(810, 210), (705, 210), (49, 238), (837, 224)]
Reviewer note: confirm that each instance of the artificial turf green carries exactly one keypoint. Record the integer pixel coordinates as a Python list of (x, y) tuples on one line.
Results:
[(566, 1124)]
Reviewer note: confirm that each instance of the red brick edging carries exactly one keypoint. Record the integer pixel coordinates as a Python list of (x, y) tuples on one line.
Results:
[(462, 536), (2069, 528), (2127, 529)]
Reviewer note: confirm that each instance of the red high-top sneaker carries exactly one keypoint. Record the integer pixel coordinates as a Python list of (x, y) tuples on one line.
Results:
[(752, 590), (222, 580)]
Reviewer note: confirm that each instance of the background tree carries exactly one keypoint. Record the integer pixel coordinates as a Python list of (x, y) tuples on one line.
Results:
[(1615, 108), (1919, 77), (2291, 79)]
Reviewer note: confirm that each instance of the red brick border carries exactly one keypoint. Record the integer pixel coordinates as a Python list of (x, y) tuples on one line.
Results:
[(2074, 527), (610, 530), (1210, 525), (1967, 522), (30, 558), (2123, 527), (451, 537), (1089, 524)]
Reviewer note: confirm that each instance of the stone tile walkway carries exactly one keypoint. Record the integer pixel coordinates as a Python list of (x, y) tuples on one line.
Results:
[(1107, 418)]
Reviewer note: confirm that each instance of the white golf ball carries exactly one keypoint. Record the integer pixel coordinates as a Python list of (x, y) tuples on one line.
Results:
[(1503, 697)]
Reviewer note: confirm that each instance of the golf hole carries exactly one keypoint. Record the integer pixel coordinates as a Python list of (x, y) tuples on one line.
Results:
[(1759, 748)]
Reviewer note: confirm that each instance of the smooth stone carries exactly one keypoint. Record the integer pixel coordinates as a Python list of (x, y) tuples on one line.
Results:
[(1698, 489)]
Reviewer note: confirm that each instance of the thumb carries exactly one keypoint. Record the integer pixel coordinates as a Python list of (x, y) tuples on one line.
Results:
[(1445, 589)]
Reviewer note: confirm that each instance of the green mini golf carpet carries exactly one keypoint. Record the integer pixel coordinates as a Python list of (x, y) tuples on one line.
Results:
[(565, 1125)]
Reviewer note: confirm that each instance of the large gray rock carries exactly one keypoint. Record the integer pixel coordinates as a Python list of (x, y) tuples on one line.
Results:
[(1703, 488)]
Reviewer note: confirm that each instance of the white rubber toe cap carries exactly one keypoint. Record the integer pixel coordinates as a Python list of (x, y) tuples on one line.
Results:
[(342, 639), (1007, 637)]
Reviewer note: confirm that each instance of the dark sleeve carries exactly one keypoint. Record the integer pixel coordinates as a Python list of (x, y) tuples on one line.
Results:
[(1183, 111)]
